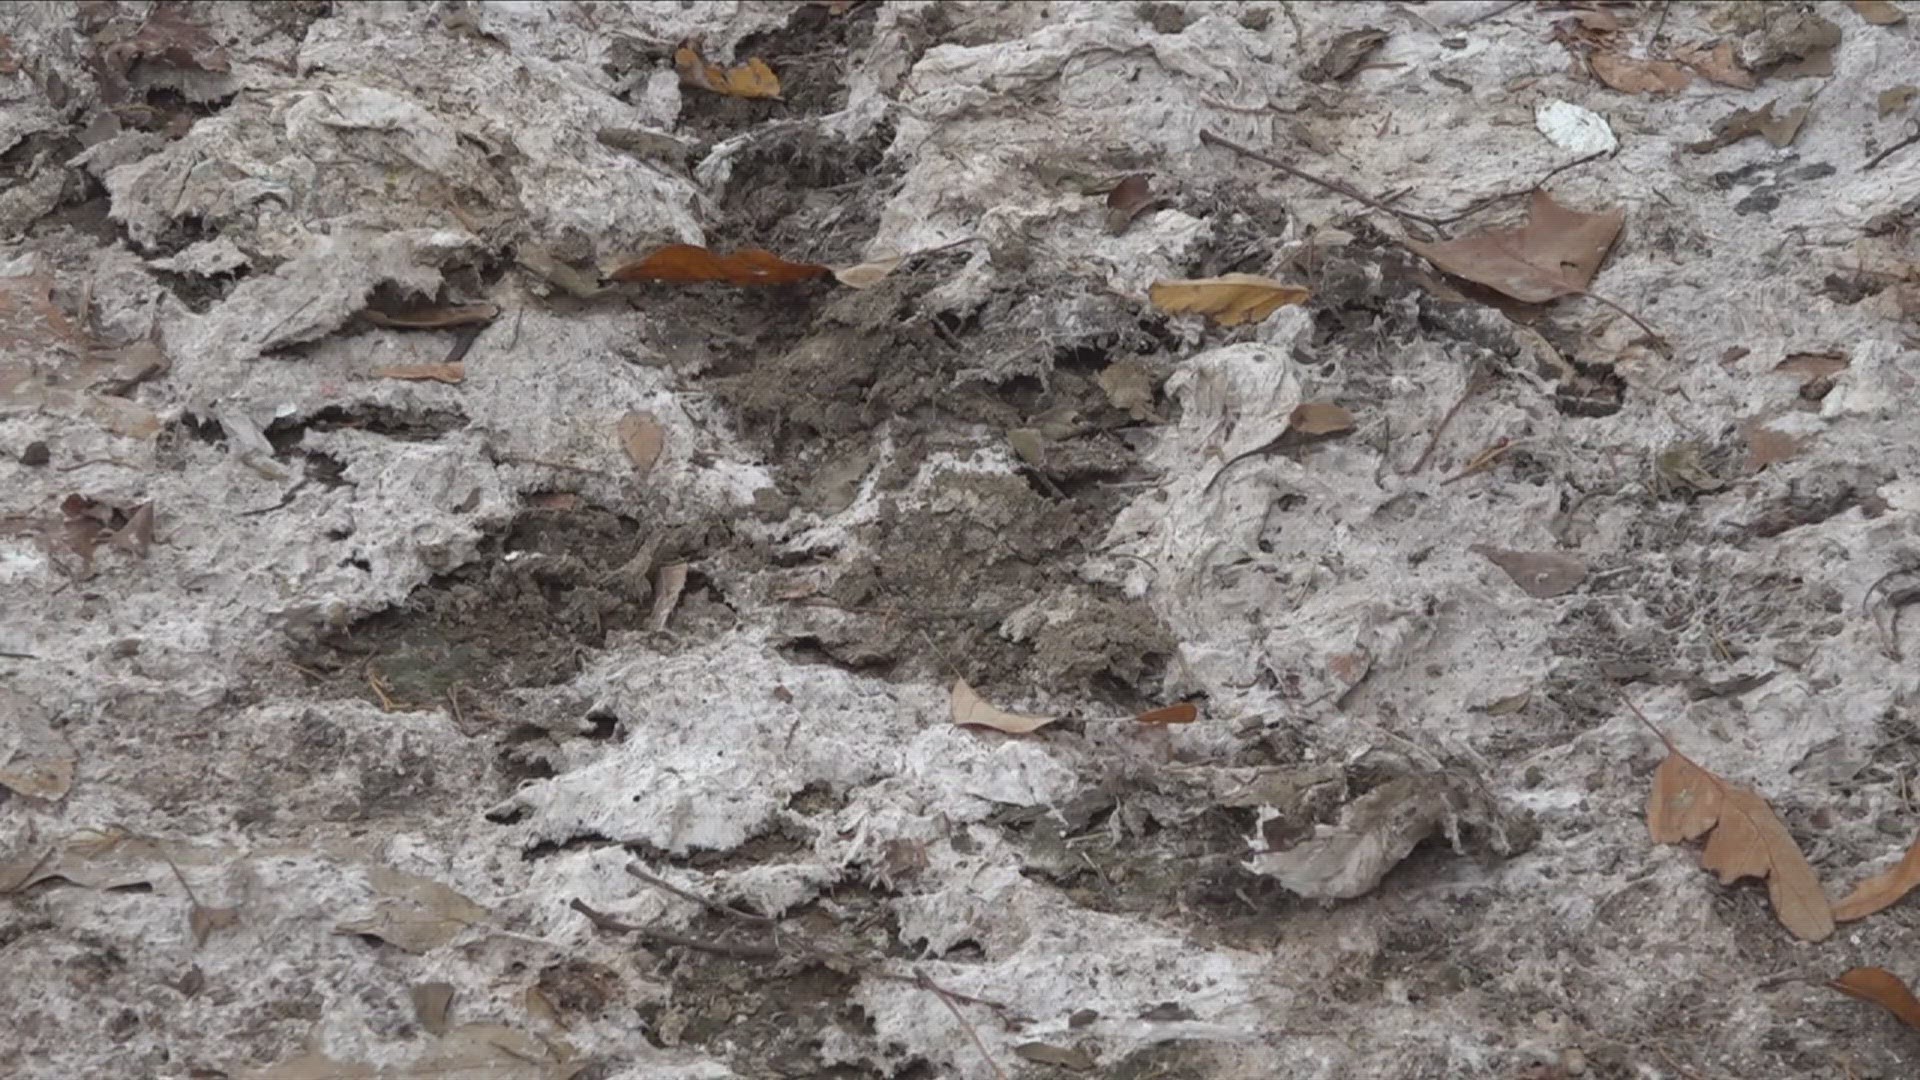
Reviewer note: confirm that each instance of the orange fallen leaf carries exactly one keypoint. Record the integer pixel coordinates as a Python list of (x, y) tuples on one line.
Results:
[(1184, 713), (1556, 253), (687, 263), (642, 437), (1632, 76), (1319, 418), (1229, 300), (1881, 890), (969, 710), (753, 79), (1882, 988), (446, 373), (1748, 839)]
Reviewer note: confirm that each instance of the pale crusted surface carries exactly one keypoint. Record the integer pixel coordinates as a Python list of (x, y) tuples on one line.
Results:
[(429, 667)]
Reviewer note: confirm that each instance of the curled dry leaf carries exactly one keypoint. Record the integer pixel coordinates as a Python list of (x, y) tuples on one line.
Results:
[(451, 374), (642, 437), (753, 79), (1319, 418), (1748, 839), (1540, 574), (1881, 890), (1883, 988), (1556, 253), (867, 274), (1184, 713), (688, 263), (1632, 76), (969, 710), (1229, 300)]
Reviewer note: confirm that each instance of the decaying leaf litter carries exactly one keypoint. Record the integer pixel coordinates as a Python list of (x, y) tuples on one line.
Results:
[(689, 558)]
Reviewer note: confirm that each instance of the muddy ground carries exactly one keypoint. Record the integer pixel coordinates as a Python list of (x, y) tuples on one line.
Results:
[(589, 716)]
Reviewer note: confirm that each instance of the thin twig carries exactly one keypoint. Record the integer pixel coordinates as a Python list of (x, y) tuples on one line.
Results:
[(713, 906), (947, 999), (1895, 148), (1474, 385), (1338, 187), (1658, 24), (752, 951)]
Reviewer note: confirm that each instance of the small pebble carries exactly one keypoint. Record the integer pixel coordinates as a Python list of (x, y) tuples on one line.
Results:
[(35, 454)]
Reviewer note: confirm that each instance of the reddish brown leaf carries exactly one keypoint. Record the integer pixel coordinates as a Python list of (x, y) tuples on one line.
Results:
[(1556, 253), (1184, 713), (686, 263), (1748, 839), (1881, 890), (1883, 988), (446, 373)]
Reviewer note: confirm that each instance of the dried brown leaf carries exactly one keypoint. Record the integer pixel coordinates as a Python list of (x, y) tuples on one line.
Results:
[(1066, 1057), (1556, 253), (35, 760), (867, 274), (1319, 418), (1747, 840), (688, 263), (642, 437), (1741, 123), (1634, 76), (1540, 574), (1881, 890), (1716, 63), (1765, 446), (451, 374), (668, 583), (1184, 713), (1128, 199), (431, 1002), (413, 913), (1879, 12), (204, 920), (1345, 54), (1896, 99), (136, 536), (1810, 366), (969, 710), (1229, 300), (753, 79), (1882, 988)]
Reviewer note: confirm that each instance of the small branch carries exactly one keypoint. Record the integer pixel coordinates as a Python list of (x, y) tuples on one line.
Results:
[(1877, 158), (1336, 186), (663, 937), (713, 906), (1635, 319), (1475, 383), (947, 999)]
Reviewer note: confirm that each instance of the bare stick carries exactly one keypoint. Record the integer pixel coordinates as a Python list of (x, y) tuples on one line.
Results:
[(1877, 158), (714, 906), (921, 980), (664, 937), (1335, 186), (1474, 386)]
